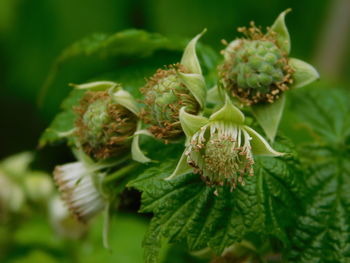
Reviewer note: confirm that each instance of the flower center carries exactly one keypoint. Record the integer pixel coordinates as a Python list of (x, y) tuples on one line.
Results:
[(221, 153)]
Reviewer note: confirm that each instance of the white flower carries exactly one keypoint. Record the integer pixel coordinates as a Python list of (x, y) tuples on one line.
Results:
[(79, 188)]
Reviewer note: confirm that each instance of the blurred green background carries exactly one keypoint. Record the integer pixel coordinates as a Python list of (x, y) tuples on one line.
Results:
[(34, 32)]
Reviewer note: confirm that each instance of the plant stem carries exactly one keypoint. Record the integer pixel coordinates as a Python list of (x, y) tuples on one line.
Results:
[(121, 172)]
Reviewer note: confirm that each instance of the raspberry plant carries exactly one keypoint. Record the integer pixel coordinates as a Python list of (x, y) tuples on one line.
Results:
[(207, 175)]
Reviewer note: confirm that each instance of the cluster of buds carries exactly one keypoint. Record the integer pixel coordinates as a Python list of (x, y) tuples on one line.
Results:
[(168, 90), (256, 70)]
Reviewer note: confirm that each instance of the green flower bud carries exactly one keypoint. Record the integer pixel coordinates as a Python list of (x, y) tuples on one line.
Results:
[(256, 68), (165, 93), (168, 90), (104, 126)]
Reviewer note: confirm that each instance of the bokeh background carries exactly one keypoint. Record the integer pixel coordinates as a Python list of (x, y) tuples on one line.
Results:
[(34, 32)]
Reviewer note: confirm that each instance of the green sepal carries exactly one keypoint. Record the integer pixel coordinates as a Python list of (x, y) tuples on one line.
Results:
[(191, 123), (189, 58), (96, 85), (196, 85), (228, 112), (279, 26), (304, 73), (136, 153), (125, 99), (269, 116), (216, 96), (182, 168), (259, 145)]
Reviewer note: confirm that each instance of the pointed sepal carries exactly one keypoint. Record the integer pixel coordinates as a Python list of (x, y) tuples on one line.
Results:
[(228, 112), (136, 152), (304, 73), (269, 116), (196, 85), (96, 85), (125, 99), (182, 168), (191, 123), (259, 145), (189, 57), (280, 28), (216, 96)]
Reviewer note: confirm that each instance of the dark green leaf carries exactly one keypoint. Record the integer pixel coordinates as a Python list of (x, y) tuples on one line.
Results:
[(187, 211), (63, 122), (323, 229)]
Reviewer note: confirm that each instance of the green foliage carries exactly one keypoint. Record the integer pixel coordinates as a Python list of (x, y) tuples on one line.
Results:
[(63, 123), (323, 230), (187, 211)]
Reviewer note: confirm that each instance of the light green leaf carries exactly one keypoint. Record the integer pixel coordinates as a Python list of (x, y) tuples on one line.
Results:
[(191, 123), (228, 112), (259, 145), (279, 26), (196, 84), (269, 115), (304, 73), (189, 57)]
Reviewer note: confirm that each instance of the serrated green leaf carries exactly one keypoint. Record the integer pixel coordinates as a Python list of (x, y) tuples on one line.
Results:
[(186, 210), (322, 233), (325, 112)]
